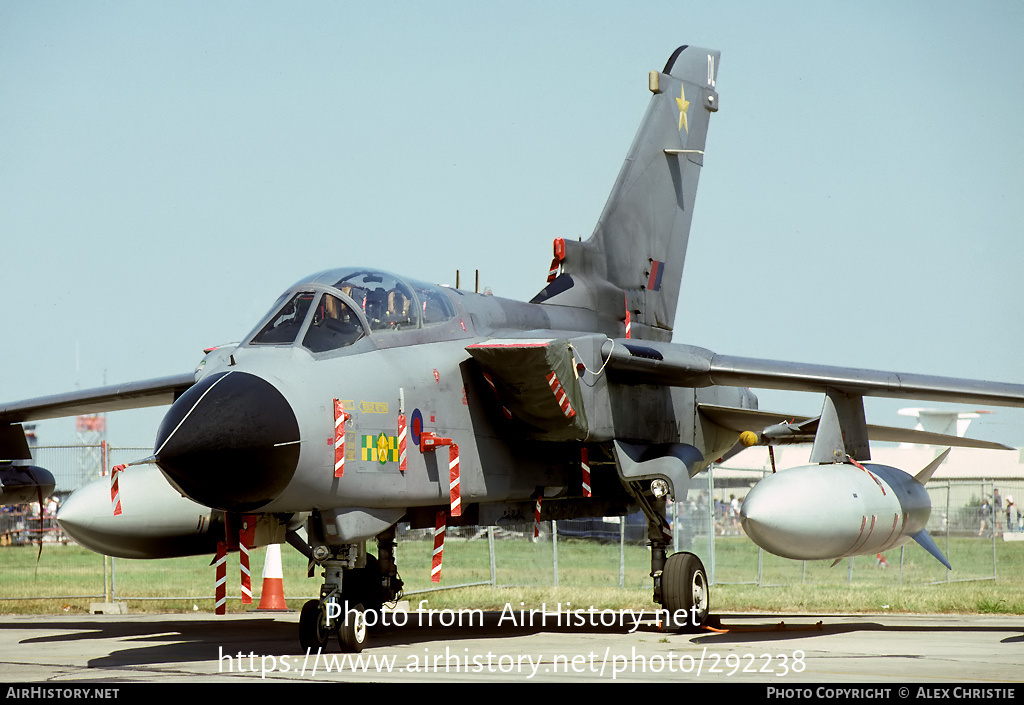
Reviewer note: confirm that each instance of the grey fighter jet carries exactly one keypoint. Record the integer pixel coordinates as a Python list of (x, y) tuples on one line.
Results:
[(363, 399)]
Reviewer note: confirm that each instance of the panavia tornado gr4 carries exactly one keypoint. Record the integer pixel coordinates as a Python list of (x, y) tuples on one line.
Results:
[(364, 399)]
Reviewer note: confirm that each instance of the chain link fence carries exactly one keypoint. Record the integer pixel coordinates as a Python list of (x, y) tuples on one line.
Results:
[(609, 552)]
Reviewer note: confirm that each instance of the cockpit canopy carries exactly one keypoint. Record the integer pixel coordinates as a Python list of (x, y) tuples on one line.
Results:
[(334, 309)]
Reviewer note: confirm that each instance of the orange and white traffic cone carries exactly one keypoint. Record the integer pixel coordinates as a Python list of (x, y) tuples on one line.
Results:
[(272, 596)]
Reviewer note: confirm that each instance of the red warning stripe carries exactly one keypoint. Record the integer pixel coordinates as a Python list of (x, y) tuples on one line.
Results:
[(340, 417), (490, 381), (454, 487), (220, 589), (553, 272), (246, 539), (560, 396), (559, 246), (243, 559), (536, 517), (428, 443), (115, 492), (880, 486), (402, 433), (585, 471), (494, 388), (435, 564)]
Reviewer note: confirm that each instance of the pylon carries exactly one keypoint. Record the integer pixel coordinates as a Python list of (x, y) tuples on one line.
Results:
[(272, 595)]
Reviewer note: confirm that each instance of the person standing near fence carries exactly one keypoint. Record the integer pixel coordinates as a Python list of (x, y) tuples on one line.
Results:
[(985, 513), (997, 505)]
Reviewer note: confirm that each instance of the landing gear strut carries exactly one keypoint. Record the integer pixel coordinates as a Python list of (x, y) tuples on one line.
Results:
[(680, 581), (336, 611), (356, 586)]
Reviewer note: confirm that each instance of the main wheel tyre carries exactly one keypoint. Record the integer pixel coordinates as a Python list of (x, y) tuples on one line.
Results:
[(313, 632), (362, 586), (352, 630), (684, 591)]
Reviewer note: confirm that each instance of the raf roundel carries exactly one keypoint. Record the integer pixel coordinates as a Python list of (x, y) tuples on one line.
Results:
[(416, 426)]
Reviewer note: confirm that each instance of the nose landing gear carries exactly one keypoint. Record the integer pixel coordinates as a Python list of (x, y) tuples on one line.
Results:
[(356, 586)]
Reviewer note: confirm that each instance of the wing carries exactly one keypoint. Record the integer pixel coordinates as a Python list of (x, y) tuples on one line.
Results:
[(651, 362), (23, 483), (133, 395), (783, 428), (687, 366)]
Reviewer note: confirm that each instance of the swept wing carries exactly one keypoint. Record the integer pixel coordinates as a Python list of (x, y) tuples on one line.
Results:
[(116, 397), (653, 362)]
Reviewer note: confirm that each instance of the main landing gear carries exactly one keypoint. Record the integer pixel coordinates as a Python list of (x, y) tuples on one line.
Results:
[(356, 586), (680, 581)]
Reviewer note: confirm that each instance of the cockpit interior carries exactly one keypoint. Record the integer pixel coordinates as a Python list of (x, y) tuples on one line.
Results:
[(336, 308)]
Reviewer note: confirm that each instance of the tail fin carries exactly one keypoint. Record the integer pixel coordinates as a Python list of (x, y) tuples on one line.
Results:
[(635, 256)]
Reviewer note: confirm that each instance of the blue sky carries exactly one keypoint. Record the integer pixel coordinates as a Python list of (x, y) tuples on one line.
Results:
[(167, 169)]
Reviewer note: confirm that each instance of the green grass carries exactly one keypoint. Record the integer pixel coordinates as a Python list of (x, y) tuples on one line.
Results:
[(68, 578)]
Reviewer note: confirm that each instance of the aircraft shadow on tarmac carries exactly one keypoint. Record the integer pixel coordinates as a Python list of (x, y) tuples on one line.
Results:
[(183, 641), (186, 641), (787, 627), (167, 641)]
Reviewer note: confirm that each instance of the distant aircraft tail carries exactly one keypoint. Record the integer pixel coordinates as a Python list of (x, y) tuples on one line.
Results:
[(633, 262)]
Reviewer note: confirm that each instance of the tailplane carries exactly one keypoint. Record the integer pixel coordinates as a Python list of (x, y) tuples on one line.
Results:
[(633, 262)]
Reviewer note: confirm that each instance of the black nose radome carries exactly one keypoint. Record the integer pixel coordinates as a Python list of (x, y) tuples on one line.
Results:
[(229, 442)]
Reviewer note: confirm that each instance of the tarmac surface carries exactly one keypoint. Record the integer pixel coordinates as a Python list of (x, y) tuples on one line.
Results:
[(782, 650)]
